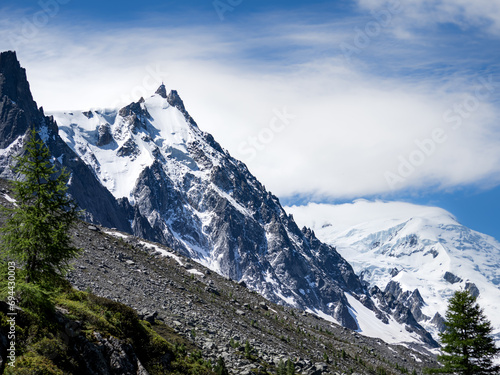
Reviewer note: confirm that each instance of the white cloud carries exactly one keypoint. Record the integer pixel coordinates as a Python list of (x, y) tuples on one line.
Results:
[(350, 128), (464, 13), (376, 214)]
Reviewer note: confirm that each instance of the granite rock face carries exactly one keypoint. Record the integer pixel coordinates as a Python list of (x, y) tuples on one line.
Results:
[(405, 307), (18, 110)]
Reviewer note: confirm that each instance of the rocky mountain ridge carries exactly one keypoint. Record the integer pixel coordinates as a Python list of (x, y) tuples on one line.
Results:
[(147, 169), (19, 113)]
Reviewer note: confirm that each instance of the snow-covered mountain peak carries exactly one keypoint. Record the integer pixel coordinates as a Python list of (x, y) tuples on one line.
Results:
[(417, 247), (119, 144), (171, 124)]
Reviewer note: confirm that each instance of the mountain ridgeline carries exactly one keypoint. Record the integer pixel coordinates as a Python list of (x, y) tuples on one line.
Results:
[(147, 169)]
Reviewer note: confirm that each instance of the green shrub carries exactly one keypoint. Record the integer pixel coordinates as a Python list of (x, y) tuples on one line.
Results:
[(50, 348), (33, 364)]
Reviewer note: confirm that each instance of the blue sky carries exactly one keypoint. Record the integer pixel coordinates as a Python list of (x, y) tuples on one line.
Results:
[(326, 101)]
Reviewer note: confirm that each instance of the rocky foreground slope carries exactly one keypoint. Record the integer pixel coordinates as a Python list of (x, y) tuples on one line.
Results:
[(219, 316)]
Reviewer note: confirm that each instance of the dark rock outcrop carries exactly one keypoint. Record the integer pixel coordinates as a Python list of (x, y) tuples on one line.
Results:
[(452, 278), (104, 135), (18, 114), (439, 322), (404, 307), (18, 110), (175, 100), (106, 355), (129, 148), (162, 91)]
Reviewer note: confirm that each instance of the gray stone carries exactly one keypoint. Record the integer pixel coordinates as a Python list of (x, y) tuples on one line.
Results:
[(451, 278), (472, 288)]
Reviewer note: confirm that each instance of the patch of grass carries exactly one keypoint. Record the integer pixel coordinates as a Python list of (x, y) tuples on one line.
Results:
[(33, 364)]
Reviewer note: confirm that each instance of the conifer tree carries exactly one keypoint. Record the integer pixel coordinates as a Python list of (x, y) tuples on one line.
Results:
[(285, 368), (468, 346), (290, 368), (35, 235), (281, 368), (220, 367)]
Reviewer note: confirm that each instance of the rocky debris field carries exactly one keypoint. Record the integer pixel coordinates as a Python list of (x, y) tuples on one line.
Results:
[(223, 318)]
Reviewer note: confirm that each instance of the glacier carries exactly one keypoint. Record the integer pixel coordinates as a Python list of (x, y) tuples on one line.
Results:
[(418, 247)]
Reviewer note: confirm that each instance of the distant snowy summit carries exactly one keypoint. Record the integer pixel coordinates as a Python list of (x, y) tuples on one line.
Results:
[(404, 247)]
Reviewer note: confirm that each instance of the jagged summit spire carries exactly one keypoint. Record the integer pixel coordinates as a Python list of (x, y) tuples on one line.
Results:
[(18, 110), (162, 91), (175, 100), (8, 58), (15, 83)]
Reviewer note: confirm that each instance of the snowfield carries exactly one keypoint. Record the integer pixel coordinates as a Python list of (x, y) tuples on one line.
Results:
[(413, 245)]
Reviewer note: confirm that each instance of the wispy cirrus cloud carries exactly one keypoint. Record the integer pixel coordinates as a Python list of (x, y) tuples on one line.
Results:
[(482, 14)]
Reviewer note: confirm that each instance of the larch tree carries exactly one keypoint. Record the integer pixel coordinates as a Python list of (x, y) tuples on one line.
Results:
[(36, 233)]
